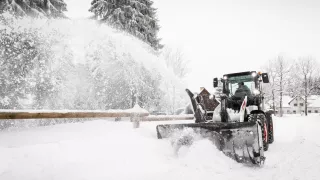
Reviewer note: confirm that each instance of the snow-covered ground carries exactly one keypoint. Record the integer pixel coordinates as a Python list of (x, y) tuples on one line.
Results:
[(109, 150)]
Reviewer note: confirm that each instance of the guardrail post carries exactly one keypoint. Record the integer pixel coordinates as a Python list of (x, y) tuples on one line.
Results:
[(138, 114), (136, 121)]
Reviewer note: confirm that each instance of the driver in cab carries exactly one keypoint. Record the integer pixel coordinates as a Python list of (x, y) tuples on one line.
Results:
[(242, 91)]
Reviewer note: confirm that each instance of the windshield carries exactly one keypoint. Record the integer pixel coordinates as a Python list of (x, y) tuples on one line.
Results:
[(234, 86)]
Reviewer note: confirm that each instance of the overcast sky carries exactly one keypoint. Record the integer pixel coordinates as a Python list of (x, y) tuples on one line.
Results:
[(228, 36)]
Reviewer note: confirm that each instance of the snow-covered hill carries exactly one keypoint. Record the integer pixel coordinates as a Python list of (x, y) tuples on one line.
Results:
[(105, 149)]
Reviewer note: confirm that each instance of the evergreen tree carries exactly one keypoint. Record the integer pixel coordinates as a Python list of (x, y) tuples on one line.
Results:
[(137, 17), (35, 8), (26, 58)]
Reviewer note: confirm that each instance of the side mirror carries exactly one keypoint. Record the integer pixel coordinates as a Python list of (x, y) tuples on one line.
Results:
[(265, 78), (215, 82)]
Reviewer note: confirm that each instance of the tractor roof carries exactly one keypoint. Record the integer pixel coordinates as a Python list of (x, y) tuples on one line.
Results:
[(239, 74), (240, 77)]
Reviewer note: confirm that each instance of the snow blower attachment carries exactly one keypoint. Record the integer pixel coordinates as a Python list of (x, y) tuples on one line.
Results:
[(239, 127)]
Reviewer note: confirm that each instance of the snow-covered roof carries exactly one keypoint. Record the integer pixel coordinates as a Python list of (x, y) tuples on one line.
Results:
[(313, 100), (313, 97), (295, 98), (286, 100)]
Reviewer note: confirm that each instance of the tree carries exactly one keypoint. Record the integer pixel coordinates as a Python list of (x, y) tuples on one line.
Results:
[(270, 88), (307, 75), (35, 8), (136, 17), (29, 65), (278, 70), (17, 52), (316, 85), (283, 69), (175, 59), (119, 81)]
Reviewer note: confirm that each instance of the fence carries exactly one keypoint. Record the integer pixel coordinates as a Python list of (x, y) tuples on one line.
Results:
[(136, 115)]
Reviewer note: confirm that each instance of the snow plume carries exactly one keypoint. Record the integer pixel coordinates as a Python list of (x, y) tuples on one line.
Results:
[(198, 152), (182, 139), (81, 64)]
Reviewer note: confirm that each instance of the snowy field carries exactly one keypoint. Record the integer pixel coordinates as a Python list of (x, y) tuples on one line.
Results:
[(107, 150)]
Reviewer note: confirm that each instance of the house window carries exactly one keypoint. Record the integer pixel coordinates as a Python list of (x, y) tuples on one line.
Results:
[(301, 104), (309, 111), (294, 111), (315, 111), (295, 104), (288, 111)]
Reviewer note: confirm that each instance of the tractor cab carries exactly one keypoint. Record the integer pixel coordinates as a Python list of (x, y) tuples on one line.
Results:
[(236, 86)]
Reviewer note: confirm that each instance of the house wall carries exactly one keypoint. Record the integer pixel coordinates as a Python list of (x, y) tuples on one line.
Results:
[(314, 110), (297, 106), (286, 110)]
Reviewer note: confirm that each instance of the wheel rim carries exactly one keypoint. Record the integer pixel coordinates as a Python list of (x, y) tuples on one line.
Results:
[(265, 133)]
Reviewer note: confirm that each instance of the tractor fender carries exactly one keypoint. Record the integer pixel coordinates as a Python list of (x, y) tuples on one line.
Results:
[(257, 112)]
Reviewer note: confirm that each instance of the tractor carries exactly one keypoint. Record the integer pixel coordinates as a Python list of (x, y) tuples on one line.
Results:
[(241, 128)]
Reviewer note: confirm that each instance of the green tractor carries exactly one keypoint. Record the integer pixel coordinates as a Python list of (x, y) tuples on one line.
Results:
[(241, 128)]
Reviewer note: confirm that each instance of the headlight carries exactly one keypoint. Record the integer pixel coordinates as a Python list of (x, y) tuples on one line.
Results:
[(256, 92), (225, 77), (254, 74)]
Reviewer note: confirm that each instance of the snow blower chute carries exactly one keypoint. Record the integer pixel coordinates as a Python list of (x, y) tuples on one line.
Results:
[(239, 128)]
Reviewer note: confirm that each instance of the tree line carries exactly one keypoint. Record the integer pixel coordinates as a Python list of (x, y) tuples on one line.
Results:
[(292, 77), (137, 17), (35, 8)]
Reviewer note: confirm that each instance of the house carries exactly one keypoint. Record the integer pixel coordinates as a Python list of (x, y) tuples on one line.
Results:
[(296, 105)]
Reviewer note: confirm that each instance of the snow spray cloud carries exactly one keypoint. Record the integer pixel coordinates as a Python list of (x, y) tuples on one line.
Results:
[(80, 64)]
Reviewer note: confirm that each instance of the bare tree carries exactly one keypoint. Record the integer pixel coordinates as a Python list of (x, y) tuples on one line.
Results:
[(283, 69), (278, 70), (316, 85), (270, 88), (175, 59), (307, 75)]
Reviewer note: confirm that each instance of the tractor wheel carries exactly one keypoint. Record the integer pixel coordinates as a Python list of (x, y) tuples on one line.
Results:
[(265, 136), (270, 128), (264, 128)]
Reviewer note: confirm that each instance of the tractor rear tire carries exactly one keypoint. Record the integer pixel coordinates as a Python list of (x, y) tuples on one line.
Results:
[(265, 136), (261, 118), (270, 128)]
